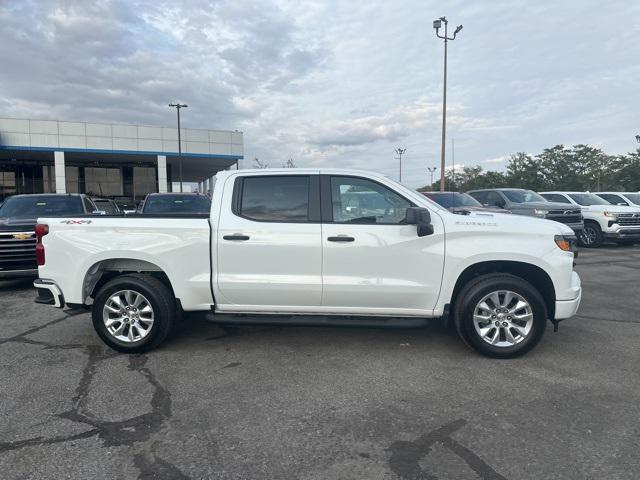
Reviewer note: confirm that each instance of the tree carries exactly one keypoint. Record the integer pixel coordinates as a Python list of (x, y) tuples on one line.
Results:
[(289, 164), (525, 171)]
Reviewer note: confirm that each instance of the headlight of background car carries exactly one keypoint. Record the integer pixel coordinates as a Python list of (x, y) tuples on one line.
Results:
[(538, 212), (613, 215)]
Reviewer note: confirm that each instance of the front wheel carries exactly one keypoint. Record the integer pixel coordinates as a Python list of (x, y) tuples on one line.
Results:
[(591, 235), (500, 315), (133, 313)]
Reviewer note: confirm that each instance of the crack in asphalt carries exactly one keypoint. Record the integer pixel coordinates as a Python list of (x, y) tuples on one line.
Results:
[(405, 456), (126, 432)]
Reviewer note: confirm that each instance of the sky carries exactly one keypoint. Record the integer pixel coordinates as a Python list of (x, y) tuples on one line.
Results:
[(336, 83)]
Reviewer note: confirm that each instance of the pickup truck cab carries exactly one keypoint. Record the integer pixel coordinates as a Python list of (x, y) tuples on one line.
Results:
[(602, 220), (628, 199), (282, 247)]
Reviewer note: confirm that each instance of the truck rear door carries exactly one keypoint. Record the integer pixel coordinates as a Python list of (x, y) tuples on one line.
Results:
[(269, 251)]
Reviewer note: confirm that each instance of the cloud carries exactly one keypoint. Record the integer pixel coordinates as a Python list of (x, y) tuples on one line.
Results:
[(332, 83)]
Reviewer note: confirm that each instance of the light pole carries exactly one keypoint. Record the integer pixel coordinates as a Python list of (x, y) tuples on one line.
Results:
[(178, 106), (431, 171), (400, 152), (638, 138), (437, 24)]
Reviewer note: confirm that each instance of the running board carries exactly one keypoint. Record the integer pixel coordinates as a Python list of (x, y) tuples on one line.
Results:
[(317, 320)]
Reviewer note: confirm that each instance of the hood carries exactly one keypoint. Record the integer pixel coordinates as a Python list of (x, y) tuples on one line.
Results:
[(611, 208), (462, 210), (11, 224), (545, 206), (520, 224)]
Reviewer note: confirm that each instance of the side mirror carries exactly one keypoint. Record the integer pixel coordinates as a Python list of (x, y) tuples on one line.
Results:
[(623, 204), (421, 218)]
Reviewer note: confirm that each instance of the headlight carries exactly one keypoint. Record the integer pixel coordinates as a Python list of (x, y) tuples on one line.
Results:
[(610, 214), (538, 212)]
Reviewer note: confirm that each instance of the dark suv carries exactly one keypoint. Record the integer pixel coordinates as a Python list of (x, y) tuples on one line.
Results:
[(18, 218), (529, 203)]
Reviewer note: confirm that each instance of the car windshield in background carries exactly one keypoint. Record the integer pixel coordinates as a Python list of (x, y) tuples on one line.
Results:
[(523, 196), (105, 206), (587, 199), (634, 197), (160, 204), (454, 199), (34, 206)]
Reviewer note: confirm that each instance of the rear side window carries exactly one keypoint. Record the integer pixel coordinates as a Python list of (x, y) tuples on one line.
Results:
[(275, 198), (611, 198), (480, 196)]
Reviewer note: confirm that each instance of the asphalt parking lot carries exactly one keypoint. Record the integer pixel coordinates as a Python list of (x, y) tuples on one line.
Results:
[(325, 403)]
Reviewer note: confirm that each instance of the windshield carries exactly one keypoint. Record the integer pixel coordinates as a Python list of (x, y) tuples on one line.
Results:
[(34, 206), (454, 199), (586, 199), (106, 206), (523, 196), (634, 197), (177, 204)]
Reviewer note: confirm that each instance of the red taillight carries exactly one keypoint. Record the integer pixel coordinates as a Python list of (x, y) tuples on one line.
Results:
[(41, 231)]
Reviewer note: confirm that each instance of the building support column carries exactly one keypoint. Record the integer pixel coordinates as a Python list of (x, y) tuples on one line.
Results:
[(162, 174), (61, 181)]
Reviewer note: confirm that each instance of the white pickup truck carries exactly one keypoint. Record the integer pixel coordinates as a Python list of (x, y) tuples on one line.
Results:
[(321, 247)]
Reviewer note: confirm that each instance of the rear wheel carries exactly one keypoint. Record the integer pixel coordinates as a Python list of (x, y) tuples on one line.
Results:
[(591, 235), (500, 315), (133, 313)]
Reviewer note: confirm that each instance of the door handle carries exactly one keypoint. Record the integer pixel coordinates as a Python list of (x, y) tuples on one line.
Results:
[(341, 238), (236, 237)]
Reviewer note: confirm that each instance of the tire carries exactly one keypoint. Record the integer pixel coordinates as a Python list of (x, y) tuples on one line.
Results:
[(531, 321), (142, 329), (591, 235)]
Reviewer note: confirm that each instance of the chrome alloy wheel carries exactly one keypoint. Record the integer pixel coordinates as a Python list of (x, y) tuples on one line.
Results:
[(128, 316), (503, 318)]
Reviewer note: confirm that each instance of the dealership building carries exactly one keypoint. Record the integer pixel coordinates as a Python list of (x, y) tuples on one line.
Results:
[(109, 160)]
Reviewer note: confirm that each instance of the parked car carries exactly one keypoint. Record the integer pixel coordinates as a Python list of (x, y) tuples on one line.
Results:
[(281, 246), (175, 203), (627, 199), (126, 205), (18, 218), (461, 203), (602, 220), (108, 206), (526, 202)]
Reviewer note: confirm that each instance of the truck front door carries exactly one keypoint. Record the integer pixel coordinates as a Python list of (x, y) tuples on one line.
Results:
[(373, 262)]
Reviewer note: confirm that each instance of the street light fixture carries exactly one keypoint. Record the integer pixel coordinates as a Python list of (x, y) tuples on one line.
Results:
[(400, 152), (178, 106), (431, 171), (437, 25)]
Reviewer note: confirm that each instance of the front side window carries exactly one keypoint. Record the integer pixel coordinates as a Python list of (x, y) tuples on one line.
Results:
[(275, 198), (587, 199), (495, 200), (523, 196), (633, 197), (356, 200)]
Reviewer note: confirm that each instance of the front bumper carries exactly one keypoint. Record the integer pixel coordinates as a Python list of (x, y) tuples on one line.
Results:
[(48, 293), (7, 274), (568, 308), (622, 233)]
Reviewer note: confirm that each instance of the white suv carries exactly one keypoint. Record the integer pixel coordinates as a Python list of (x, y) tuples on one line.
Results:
[(631, 199), (602, 220)]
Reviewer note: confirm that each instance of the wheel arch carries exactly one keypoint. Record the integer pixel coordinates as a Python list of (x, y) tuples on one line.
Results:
[(105, 270), (529, 272)]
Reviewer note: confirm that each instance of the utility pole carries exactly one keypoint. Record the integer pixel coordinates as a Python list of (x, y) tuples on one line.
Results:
[(400, 152), (431, 171), (437, 24), (178, 106), (453, 165)]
